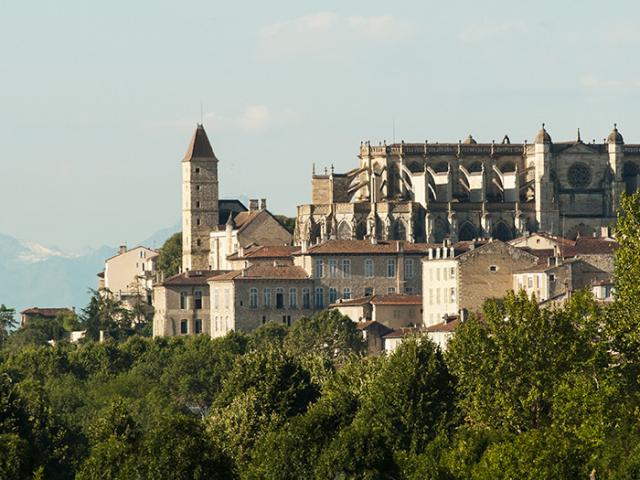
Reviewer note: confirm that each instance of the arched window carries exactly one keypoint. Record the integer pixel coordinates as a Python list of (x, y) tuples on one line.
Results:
[(630, 172), (467, 232), (253, 298), (344, 230), (399, 231), (361, 230), (502, 232), (440, 230)]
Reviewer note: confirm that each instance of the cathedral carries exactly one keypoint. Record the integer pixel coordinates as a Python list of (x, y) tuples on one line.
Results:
[(429, 192)]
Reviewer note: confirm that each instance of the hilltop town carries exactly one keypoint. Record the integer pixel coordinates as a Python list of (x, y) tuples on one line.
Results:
[(413, 239)]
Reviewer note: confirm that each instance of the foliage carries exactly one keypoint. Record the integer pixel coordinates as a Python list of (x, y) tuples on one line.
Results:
[(7, 322), (287, 222), (170, 255)]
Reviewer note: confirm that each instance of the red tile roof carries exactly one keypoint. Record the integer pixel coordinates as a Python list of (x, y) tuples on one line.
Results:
[(356, 247), (45, 312), (403, 332), (396, 299), (265, 251), (265, 272), (444, 327), (193, 277), (590, 246)]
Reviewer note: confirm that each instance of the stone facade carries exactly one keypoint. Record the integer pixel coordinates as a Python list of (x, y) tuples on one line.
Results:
[(455, 281), (243, 300), (432, 191)]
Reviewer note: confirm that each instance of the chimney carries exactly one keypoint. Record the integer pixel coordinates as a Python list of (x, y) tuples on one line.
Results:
[(240, 251), (122, 249), (399, 246), (304, 246), (374, 240), (605, 231), (263, 204), (253, 205), (430, 253)]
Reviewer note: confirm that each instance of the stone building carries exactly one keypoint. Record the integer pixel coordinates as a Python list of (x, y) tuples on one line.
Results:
[(213, 228), (426, 192), (243, 300), (182, 304), (453, 281), (393, 310), (129, 275), (344, 269)]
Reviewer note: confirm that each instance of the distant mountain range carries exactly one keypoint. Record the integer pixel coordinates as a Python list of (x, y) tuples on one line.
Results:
[(35, 275)]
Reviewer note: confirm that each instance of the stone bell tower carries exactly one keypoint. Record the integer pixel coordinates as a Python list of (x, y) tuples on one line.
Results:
[(199, 201)]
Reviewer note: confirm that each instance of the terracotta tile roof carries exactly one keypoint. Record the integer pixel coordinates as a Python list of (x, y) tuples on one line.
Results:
[(444, 327), (193, 277), (199, 146), (396, 299), (265, 251), (590, 246), (402, 332), (353, 302), (265, 272), (367, 325), (356, 247), (45, 312)]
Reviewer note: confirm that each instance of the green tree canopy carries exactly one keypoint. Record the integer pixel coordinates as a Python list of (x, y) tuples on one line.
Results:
[(170, 258)]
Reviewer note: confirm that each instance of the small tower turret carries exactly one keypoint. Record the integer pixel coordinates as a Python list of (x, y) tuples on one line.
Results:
[(199, 201)]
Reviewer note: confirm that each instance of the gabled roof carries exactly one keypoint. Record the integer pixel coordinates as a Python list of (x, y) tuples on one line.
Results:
[(590, 246), (371, 324), (192, 277), (355, 247), (403, 332), (388, 299), (45, 312), (199, 146), (154, 253), (264, 272), (444, 327), (265, 252)]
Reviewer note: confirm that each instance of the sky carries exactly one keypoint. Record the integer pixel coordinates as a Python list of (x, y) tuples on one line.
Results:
[(98, 100)]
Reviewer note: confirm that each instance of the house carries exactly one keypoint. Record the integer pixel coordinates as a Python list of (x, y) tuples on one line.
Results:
[(46, 313), (373, 333), (129, 275), (392, 310)]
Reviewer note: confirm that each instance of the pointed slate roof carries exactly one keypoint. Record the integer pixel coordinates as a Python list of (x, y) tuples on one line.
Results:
[(199, 146)]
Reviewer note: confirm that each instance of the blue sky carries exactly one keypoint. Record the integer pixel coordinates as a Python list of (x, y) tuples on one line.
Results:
[(98, 99)]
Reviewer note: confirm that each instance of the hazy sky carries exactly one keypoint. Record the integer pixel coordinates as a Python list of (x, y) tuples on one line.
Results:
[(98, 100)]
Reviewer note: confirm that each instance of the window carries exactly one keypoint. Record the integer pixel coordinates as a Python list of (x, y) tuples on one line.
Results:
[(368, 268), (493, 268), (452, 295), (198, 326), (346, 293), (319, 269), (552, 277), (391, 268), (264, 319), (452, 272), (197, 169), (408, 268), (286, 319), (226, 298), (216, 299), (183, 300), (266, 298), (253, 298), (333, 268), (408, 290), (333, 295), (438, 296), (530, 281), (198, 242), (391, 290), (293, 298), (279, 298), (197, 221), (198, 188), (437, 274), (346, 268), (197, 300), (368, 291), (306, 298), (319, 297), (184, 327)]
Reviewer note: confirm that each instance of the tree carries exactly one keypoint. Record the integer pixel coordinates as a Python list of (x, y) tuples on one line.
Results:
[(624, 318), (328, 333), (7, 322), (170, 258), (106, 313), (509, 363), (412, 397), (287, 222)]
